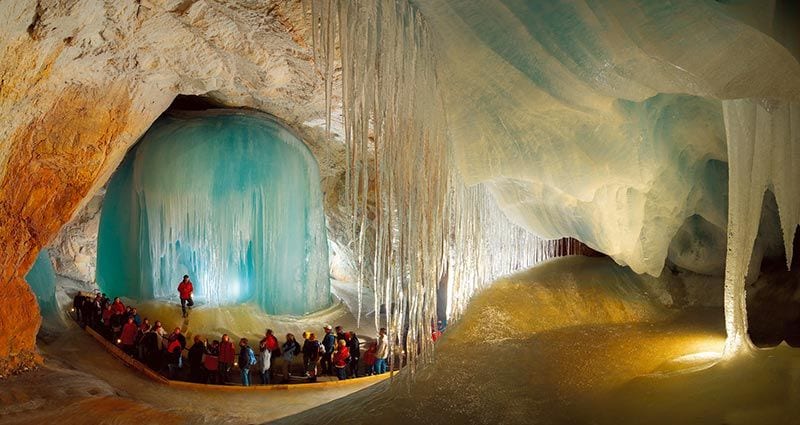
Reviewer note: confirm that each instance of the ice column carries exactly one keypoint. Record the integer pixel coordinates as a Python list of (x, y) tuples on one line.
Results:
[(231, 199), (763, 152)]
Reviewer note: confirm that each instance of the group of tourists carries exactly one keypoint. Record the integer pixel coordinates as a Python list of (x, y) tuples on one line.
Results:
[(338, 353)]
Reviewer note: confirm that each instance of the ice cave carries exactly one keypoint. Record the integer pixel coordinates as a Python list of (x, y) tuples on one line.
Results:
[(535, 211)]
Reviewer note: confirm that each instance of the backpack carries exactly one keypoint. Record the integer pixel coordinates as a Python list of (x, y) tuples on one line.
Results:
[(251, 357)]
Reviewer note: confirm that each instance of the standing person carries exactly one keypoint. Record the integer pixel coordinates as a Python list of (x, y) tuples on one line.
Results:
[(136, 317), (141, 331), (311, 354), (161, 334), (304, 351), (340, 336), (89, 311), (247, 359), (354, 345), (226, 354), (328, 342), (185, 289), (77, 307), (381, 352), (290, 349), (340, 359), (107, 314), (211, 363), (369, 359), (128, 337), (269, 344), (150, 352), (196, 360), (174, 354), (176, 334), (263, 366), (117, 307)]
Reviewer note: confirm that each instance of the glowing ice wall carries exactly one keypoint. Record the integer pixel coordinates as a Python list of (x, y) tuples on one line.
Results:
[(230, 198), (42, 279)]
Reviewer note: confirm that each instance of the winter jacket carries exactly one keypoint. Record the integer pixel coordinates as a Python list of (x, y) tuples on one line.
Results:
[(271, 343), (354, 345), (290, 349), (382, 351), (185, 289), (160, 334), (211, 360), (118, 308), (327, 341), (174, 350), (264, 361), (226, 352), (128, 336), (196, 355), (341, 357), (247, 358), (369, 355), (311, 350)]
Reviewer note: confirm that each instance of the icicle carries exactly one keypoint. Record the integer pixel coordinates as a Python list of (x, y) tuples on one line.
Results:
[(414, 222)]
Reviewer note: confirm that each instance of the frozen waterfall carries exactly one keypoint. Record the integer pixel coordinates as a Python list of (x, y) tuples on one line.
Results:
[(230, 198)]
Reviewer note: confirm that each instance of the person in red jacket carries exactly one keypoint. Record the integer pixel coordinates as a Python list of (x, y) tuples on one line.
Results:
[(185, 290), (270, 344), (369, 358), (128, 336), (227, 352), (341, 357), (117, 307)]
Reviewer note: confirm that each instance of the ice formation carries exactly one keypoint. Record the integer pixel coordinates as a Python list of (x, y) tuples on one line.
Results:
[(601, 121), (763, 153), (231, 199), (42, 279), (428, 227)]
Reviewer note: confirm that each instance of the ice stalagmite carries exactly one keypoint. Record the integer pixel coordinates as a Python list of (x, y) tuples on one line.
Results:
[(231, 199), (763, 153)]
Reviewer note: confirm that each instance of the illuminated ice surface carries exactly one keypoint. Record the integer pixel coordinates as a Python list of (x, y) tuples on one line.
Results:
[(231, 199), (42, 279), (582, 341)]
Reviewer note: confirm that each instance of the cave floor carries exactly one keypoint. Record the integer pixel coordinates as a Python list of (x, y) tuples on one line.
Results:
[(641, 373)]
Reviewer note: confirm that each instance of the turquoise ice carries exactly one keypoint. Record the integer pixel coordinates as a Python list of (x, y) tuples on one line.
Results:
[(42, 279), (230, 198)]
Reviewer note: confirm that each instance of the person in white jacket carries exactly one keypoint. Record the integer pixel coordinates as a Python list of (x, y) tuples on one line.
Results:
[(382, 352), (263, 366)]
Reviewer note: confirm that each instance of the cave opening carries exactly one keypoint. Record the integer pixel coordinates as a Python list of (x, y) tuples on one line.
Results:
[(231, 198)]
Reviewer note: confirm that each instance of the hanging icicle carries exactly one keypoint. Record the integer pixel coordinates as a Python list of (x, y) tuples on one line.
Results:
[(415, 224)]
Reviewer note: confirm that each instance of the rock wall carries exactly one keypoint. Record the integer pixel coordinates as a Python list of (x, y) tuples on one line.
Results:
[(80, 82)]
